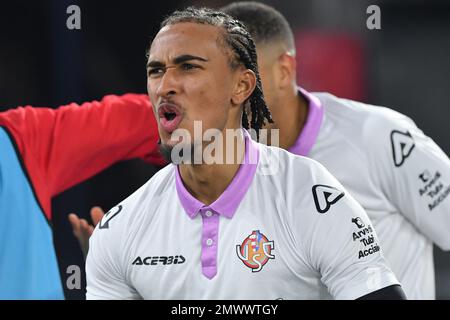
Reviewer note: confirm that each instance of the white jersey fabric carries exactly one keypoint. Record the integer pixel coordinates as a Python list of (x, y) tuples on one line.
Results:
[(284, 228), (398, 174)]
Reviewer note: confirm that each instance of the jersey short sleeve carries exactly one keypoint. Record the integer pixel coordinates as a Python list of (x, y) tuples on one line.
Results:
[(339, 241), (105, 272), (413, 172)]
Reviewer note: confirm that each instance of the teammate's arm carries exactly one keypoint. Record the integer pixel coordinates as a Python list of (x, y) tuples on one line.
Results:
[(72, 143), (414, 174)]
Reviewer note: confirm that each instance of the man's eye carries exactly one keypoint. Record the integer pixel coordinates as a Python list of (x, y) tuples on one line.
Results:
[(188, 66), (155, 71)]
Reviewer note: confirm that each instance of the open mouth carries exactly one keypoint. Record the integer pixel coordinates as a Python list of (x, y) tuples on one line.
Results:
[(169, 116)]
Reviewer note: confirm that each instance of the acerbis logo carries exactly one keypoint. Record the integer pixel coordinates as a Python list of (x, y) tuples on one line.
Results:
[(255, 251), (325, 196), (402, 146), (153, 261), (104, 223)]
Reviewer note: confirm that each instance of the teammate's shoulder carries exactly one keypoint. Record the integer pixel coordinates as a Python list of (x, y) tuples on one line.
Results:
[(370, 121), (380, 118), (357, 109)]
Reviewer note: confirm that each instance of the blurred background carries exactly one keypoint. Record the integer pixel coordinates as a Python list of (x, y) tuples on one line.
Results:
[(404, 66)]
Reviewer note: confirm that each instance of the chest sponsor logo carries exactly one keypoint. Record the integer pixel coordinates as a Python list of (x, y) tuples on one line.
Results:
[(402, 146), (325, 196), (158, 260), (255, 251), (111, 214)]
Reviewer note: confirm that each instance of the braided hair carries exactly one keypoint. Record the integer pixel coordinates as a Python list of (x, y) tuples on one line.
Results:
[(238, 40)]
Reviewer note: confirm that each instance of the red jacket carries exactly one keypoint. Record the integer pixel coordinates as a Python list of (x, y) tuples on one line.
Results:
[(62, 147)]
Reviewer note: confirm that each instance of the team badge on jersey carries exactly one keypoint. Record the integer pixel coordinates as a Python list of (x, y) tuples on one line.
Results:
[(255, 251), (325, 196), (402, 146)]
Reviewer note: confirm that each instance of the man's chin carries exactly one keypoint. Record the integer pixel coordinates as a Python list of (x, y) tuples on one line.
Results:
[(177, 153), (166, 151), (169, 143), (172, 139)]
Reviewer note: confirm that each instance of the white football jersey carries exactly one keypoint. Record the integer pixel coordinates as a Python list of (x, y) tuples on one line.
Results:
[(284, 228), (398, 174)]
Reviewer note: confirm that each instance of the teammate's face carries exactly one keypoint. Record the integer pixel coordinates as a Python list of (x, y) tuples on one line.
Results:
[(190, 79), (267, 63), (277, 75)]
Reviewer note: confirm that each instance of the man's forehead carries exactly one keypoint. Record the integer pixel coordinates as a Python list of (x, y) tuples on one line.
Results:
[(183, 38)]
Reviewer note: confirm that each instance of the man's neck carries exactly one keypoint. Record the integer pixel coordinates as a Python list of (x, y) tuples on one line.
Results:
[(291, 118), (206, 182)]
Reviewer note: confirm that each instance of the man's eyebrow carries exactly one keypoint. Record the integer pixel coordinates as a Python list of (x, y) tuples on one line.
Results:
[(188, 57), (177, 60), (155, 64)]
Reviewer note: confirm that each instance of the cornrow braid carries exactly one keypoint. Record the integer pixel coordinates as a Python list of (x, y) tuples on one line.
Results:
[(238, 39)]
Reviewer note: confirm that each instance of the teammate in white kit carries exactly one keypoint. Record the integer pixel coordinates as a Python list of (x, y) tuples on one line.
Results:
[(399, 175), (275, 226)]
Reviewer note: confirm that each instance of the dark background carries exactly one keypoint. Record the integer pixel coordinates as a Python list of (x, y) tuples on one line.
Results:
[(405, 66)]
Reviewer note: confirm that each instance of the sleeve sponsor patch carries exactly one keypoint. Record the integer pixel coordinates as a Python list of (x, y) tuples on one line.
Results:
[(433, 188), (364, 234)]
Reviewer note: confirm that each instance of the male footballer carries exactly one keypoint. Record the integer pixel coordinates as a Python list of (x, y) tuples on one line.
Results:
[(240, 230)]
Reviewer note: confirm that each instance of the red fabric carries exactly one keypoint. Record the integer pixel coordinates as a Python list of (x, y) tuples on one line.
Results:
[(331, 62), (62, 147)]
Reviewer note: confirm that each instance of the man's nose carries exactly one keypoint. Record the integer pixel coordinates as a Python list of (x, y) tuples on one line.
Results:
[(168, 86)]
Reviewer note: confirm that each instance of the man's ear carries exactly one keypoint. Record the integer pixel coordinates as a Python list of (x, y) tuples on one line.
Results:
[(245, 85), (287, 66)]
